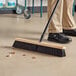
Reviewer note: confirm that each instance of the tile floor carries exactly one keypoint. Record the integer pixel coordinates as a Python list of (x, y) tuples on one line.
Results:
[(26, 63)]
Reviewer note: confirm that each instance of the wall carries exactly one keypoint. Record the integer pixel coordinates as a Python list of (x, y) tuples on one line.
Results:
[(37, 2), (29, 2)]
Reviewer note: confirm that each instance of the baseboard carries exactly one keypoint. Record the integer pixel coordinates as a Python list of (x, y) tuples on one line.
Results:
[(36, 10), (6, 12)]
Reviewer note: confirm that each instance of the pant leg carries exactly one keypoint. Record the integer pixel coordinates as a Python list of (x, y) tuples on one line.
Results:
[(68, 20), (56, 24)]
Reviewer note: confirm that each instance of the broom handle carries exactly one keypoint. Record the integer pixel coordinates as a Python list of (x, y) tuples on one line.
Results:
[(49, 21)]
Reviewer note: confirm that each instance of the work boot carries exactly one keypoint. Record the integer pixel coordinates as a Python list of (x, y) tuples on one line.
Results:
[(71, 32), (59, 38)]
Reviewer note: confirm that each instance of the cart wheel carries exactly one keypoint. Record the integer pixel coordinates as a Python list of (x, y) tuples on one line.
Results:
[(27, 14), (18, 10)]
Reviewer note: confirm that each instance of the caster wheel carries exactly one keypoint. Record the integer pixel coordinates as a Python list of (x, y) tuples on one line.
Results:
[(18, 10), (27, 14)]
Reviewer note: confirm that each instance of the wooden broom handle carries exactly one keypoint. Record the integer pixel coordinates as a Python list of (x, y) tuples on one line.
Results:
[(48, 21)]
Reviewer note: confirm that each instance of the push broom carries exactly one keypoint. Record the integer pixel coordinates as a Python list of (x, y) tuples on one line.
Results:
[(42, 47)]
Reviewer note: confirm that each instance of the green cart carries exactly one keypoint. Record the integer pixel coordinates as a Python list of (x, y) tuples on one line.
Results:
[(18, 9)]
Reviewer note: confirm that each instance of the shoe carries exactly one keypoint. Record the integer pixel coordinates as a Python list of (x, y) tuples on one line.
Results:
[(70, 32), (59, 38)]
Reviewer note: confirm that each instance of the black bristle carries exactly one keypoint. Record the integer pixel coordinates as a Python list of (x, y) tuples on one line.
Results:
[(24, 45), (51, 51), (39, 48)]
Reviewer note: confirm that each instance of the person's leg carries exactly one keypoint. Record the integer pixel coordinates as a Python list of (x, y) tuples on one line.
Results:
[(56, 23), (55, 27), (68, 22)]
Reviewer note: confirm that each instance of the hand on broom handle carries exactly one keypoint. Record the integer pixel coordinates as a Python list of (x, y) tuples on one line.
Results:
[(48, 21)]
